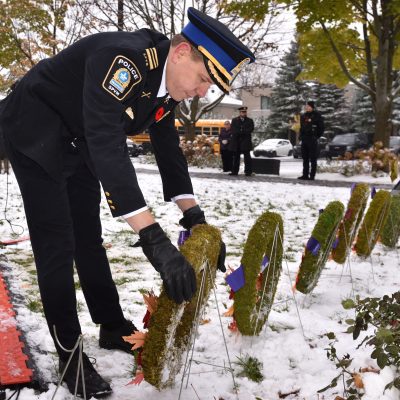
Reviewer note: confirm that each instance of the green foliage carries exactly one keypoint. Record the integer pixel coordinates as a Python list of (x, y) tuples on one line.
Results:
[(250, 368), (373, 222), (351, 222), (315, 46), (324, 232), (391, 230), (28, 30), (251, 307), (346, 376), (171, 324), (383, 314)]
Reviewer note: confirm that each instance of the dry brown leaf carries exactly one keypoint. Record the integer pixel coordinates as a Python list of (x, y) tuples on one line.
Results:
[(358, 382), (205, 321), (229, 312), (339, 398), (151, 302), (137, 339)]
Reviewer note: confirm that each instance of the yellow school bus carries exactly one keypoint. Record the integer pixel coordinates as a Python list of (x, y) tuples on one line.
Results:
[(209, 127)]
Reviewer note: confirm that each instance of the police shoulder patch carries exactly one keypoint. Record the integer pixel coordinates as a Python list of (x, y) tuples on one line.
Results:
[(122, 76)]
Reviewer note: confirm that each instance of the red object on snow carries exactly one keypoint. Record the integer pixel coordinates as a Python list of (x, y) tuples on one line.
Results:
[(14, 241), (13, 368)]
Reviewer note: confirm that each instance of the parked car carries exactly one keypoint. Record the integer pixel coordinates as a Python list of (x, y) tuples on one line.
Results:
[(347, 143), (394, 144), (273, 148), (322, 142), (134, 150)]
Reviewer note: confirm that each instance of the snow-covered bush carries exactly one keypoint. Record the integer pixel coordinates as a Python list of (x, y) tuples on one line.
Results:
[(201, 151)]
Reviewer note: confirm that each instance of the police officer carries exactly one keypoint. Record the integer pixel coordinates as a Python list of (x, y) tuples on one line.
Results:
[(311, 129), (242, 128), (65, 127)]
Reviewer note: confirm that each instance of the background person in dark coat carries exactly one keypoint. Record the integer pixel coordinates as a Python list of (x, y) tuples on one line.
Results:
[(311, 129), (242, 128), (65, 127), (224, 139)]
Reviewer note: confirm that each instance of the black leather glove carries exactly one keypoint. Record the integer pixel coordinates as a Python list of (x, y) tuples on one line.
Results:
[(195, 216), (191, 217), (177, 274), (221, 257)]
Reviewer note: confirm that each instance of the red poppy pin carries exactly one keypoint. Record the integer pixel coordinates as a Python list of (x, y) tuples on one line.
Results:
[(159, 113)]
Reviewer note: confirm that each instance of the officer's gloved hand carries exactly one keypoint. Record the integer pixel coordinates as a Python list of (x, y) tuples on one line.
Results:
[(195, 216), (177, 274)]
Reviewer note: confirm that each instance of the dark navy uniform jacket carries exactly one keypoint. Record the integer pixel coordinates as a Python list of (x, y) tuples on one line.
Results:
[(96, 92), (311, 125), (241, 134)]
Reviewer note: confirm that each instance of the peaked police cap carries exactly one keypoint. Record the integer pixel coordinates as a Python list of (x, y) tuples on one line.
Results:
[(224, 54)]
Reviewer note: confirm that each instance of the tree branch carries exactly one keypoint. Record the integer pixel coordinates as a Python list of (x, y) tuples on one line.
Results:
[(342, 63)]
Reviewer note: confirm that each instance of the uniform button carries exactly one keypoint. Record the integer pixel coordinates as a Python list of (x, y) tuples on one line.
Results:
[(110, 201), (112, 207), (107, 194)]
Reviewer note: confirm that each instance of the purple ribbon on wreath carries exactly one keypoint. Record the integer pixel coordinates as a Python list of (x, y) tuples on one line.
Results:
[(183, 236), (353, 186), (264, 263), (335, 243), (313, 246), (373, 192), (321, 210), (236, 279)]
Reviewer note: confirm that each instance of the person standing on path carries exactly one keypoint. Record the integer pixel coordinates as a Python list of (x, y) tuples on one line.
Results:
[(242, 128), (311, 129)]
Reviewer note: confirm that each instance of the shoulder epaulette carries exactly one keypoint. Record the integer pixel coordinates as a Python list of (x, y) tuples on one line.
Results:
[(151, 58)]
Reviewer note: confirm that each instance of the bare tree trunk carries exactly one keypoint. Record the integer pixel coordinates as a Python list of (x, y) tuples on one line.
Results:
[(383, 104), (190, 131), (120, 23), (383, 111)]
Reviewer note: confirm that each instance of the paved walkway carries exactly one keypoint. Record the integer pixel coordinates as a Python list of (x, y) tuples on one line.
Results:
[(271, 178)]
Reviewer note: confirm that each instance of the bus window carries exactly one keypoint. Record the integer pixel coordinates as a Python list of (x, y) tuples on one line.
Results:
[(206, 130), (215, 131)]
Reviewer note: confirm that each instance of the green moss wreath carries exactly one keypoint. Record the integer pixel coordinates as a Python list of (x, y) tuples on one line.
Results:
[(171, 324), (316, 254), (251, 308), (373, 222), (351, 222), (391, 231)]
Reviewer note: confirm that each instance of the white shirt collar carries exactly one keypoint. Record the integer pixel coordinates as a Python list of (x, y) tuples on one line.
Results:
[(162, 91)]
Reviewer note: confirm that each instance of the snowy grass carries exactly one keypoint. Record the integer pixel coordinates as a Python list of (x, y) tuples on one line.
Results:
[(290, 348)]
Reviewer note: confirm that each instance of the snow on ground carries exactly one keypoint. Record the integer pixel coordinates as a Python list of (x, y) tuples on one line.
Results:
[(292, 359)]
